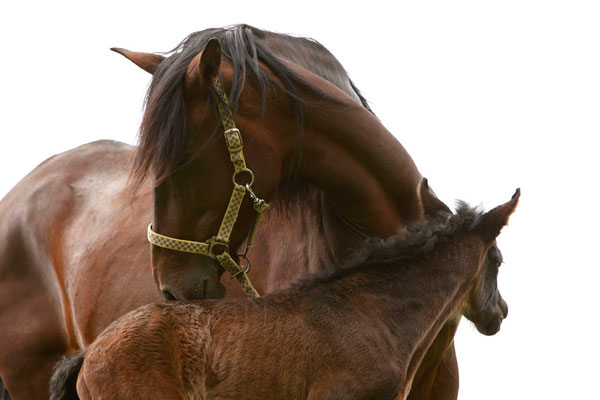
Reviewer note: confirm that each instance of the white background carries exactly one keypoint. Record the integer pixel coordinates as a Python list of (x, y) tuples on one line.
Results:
[(486, 97)]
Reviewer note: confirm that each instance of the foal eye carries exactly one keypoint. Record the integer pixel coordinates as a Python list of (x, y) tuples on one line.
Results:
[(494, 261), (495, 257)]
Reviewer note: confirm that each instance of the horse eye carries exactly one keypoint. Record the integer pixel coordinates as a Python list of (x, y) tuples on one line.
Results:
[(183, 162)]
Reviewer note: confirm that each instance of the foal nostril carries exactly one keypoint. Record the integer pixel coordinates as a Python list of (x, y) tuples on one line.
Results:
[(168, 295), (503, 307)]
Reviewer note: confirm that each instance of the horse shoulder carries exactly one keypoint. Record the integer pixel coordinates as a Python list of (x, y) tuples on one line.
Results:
[(61, 223), (35, 313)]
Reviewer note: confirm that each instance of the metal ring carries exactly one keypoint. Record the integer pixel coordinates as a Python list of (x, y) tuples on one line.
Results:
[(236, 173), (242, 269)]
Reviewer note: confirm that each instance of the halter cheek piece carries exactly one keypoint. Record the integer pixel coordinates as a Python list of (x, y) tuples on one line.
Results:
[(217, 247)]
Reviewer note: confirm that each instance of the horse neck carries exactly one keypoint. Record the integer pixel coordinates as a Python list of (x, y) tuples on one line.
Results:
[(357, 182), (331, 236), (312, 56), (368, 178)]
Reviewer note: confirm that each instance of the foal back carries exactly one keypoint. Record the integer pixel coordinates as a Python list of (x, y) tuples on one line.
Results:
[(218, 350)]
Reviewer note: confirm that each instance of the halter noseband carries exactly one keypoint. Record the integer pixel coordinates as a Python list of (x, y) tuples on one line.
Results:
[(233, 139)]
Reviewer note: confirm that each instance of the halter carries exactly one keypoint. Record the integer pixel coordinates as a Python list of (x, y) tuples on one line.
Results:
[(233, 139)]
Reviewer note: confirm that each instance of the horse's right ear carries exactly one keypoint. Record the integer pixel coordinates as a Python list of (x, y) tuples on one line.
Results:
[(492, 222), (204, 67), (146, 61)]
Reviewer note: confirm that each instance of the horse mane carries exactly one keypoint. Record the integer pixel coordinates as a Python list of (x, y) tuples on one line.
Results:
[(414, 240), (163, 131)]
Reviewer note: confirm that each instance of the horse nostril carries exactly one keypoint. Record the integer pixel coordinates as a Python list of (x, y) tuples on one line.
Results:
[(168, 295)]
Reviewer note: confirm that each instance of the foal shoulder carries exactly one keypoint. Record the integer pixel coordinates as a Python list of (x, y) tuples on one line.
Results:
[(153, 345)]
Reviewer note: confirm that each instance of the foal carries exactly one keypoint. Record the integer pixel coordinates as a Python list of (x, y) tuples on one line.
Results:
[(357, 333)]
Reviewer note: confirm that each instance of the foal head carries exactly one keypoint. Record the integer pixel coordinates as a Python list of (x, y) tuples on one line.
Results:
[(484, 306)]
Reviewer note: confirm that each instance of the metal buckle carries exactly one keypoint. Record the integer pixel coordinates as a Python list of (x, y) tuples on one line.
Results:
[(234, 149), (212, 242)]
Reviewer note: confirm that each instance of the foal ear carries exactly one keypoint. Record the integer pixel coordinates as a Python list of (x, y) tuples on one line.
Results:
[(146, 61), (429, 201), (493, 221), (204, 67)]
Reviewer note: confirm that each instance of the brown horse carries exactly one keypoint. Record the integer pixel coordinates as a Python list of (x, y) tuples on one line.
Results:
[(357, 333), (67, 230), (344, 150)]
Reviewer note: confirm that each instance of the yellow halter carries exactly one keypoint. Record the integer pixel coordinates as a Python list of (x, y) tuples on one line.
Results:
[(233, 139)]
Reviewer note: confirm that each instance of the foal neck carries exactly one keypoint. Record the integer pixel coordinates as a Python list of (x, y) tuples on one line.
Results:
[(414, 301)]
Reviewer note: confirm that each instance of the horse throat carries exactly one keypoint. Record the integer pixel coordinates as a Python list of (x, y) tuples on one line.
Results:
[(300, 236)]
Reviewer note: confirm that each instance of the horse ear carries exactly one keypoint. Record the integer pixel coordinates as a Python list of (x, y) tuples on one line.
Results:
[(146, 61), (204, 67), (429, 201), (493, 221)]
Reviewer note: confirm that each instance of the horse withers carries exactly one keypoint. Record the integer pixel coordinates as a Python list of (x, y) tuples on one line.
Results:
[(359, 332)]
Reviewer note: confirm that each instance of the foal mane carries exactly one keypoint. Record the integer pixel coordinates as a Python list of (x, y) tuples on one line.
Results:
[(163, 132), (415, 240)]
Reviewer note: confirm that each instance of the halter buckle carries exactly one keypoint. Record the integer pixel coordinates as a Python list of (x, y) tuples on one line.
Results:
[(233, 137), (212, 242)]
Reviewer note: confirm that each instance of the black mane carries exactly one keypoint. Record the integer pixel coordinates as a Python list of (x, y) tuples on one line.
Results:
[(163, 131), (413, 241)]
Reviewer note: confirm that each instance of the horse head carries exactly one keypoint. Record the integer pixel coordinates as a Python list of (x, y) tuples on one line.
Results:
[(296, 127), (182, 146)]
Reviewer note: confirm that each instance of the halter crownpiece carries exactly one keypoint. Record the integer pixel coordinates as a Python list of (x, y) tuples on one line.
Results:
[(233, 140)]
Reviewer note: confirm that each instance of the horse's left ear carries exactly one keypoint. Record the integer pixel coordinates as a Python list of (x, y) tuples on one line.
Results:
[(493, 221), (204, 67), (146, 61), (429, 201)]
